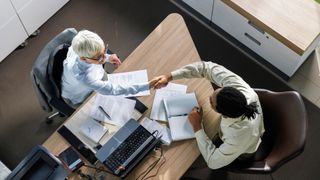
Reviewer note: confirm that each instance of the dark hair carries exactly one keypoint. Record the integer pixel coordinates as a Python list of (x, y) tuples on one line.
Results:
[(232, 103)]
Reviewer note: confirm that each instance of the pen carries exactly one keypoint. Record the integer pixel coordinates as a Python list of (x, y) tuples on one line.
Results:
[(104, 112)]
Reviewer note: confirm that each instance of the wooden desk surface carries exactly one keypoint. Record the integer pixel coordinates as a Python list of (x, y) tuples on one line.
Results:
[(167, 48), (295, 23)]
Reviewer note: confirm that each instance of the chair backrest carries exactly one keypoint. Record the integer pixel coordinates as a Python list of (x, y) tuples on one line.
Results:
[(286, 128), (55, 67), (46, 73)]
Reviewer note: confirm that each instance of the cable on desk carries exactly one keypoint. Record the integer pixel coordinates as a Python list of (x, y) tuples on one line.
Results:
[(97, 169), (152, 166), (81, 174)]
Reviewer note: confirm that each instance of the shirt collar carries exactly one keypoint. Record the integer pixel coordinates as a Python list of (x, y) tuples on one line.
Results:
[(229, 121), (82, 63)]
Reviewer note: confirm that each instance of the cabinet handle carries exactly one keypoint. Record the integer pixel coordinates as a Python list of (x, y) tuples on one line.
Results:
[(252, 39), (256, 27)]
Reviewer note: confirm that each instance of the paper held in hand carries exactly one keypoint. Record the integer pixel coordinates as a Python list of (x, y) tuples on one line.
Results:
[(130, 78), (177, 109)]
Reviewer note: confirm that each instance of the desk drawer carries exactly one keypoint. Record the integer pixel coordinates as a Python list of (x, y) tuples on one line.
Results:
[(255, 38)]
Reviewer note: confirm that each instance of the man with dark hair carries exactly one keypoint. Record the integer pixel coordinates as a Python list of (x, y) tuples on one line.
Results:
[(241, 125)]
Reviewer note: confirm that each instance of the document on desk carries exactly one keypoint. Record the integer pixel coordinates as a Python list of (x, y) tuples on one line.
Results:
[(118, 109), (163, 131), (130, 78), (177, 109), (172, 89), (93, 130)]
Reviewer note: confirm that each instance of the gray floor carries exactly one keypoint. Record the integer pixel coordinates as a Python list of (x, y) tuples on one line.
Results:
[(123, 25)]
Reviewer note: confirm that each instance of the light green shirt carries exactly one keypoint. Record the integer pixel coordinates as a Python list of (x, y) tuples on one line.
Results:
[(238, 135)]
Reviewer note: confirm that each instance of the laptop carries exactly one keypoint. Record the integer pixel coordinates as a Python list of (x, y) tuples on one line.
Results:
[(126, 148)]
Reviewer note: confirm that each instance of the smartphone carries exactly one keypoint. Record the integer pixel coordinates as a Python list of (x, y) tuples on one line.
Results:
[(71, 159)]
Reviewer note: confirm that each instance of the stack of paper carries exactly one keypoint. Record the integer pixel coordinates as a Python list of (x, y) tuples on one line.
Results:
[(152, 126), (172, 89), (93, 130), (118, 109)]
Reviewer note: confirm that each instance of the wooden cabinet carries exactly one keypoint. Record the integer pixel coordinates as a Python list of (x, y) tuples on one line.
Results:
[(12, 33), (281, 49), (281, 32)]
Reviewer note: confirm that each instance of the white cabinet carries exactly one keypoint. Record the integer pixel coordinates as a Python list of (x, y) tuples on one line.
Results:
[(262, 43), (33, 13), (20, 18), (284, 40), (12, 33), (204, 7)]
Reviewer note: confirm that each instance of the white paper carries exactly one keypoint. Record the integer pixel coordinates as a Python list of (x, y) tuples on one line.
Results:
[(172, 89), (120, 109), (180, 104), (130, 78), (93, 130), (177, 109), (152, 125), (180, 128)]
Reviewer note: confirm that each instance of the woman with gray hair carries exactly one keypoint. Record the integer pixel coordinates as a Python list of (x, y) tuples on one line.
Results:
[(83, 72)]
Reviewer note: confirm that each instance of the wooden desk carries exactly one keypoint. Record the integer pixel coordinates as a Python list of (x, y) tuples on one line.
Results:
[(167, 48)]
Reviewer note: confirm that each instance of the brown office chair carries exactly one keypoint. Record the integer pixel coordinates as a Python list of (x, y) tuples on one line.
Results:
[(285, 136)]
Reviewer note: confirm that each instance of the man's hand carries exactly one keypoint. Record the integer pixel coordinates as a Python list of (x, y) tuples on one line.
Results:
[(195, 118), (153, 82), (113, 59), (163, 81)]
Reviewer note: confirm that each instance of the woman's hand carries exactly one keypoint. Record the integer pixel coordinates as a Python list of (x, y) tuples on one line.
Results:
[(113, 59)]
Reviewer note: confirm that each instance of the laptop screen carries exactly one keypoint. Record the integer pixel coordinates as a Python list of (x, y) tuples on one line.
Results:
[(126, 148)]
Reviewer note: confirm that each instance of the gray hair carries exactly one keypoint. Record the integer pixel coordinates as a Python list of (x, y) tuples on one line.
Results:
[(87, 44)]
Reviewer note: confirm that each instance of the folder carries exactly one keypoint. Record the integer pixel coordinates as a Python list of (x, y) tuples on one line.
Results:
[(177, 109)]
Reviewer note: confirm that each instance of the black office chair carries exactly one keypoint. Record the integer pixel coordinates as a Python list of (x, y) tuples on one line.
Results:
[(285, 121), (46, 74)]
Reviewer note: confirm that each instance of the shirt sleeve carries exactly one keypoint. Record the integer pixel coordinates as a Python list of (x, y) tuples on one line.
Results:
[(217, 157), (217, 74), (107, 88), (108, 57)]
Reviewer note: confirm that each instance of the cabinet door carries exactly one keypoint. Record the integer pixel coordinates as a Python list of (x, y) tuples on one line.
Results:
[(204, 7), (33, 13), (262, 43), (12, 33)]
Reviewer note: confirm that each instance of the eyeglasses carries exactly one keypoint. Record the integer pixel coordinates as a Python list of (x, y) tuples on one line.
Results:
[(101, 57)]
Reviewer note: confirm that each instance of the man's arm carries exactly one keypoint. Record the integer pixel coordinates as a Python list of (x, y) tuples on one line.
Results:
[(215, 73), (225, 153), (217, 157)]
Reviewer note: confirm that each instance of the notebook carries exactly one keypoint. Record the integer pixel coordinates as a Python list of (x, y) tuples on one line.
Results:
[(126, 148), (177, 109), (92, 130)]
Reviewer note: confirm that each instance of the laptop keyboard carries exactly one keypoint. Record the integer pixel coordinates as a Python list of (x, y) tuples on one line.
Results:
[(129, 149)]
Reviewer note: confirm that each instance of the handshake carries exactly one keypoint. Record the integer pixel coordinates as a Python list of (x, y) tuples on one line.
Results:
[(160, 81)]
